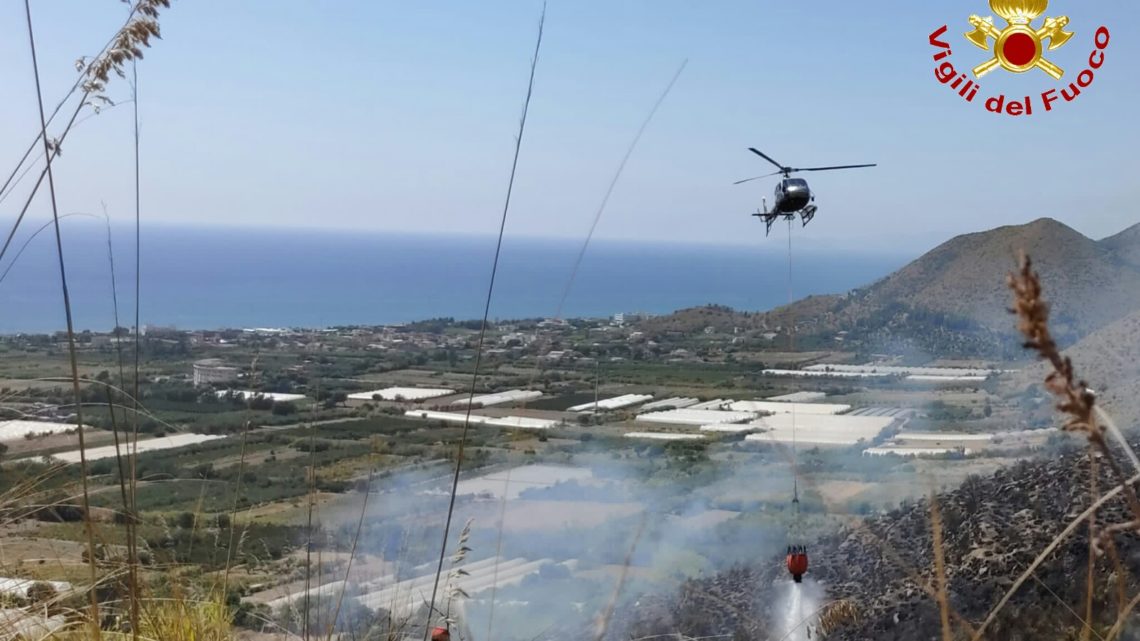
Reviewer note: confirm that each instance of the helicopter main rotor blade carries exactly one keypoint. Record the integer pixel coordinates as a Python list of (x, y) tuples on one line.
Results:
[(765, 157), (741, 182), (831, 168)]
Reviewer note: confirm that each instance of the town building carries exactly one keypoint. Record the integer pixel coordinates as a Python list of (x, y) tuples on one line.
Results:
[(213, 370)]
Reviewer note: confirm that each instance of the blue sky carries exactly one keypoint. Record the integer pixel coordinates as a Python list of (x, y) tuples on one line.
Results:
[(401, 116)]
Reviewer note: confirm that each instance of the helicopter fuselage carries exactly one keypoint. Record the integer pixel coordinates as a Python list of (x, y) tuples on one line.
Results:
[(792, 195)]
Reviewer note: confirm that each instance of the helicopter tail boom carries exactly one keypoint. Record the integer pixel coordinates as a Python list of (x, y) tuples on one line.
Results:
[(769, 217)]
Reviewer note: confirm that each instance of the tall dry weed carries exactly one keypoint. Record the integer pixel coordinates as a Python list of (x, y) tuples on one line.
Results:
[(1077, 403)]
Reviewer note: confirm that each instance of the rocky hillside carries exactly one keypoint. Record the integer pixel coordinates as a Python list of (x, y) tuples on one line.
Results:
[(994, 527)]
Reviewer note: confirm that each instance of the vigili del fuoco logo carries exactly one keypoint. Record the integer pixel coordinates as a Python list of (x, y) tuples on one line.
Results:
[(1019, 47)]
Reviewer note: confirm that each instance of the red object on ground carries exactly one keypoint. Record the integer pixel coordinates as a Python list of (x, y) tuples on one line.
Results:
[(797, 562), (440, 634)]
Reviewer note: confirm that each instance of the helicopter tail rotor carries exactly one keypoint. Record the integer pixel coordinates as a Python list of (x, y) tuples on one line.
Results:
[(769, 217)]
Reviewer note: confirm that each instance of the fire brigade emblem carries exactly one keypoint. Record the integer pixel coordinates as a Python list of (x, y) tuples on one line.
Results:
[(1019, 47)]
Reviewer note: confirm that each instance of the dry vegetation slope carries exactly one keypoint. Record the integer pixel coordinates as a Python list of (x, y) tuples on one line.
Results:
[(993, 529)]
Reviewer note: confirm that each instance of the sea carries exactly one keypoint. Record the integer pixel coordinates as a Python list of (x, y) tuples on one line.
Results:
[(197, 277)]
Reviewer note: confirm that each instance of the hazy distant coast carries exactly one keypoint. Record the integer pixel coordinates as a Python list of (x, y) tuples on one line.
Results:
[(209, 278)]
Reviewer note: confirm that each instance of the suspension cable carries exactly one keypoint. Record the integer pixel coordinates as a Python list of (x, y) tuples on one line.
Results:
[(791, 350)]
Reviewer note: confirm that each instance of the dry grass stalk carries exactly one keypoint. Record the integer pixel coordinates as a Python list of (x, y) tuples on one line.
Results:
[(352, 553), (608, 613), (1076, 400), (126, 46), (1073, 395), (453, 590), (129, 512), (234, 509), (829, 618), (49, 152), (1118, 627), (1090, 577), (836, 614), (486, 315)]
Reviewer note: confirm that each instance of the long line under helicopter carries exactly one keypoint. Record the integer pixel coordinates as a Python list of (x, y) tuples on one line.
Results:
[(793, 197)]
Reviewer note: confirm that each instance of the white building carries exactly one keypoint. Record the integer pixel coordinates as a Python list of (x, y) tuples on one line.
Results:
[(664, 436), (17, 429), (457, 418), (277, 397), (784, 407), (400, 394), (617, 402), (500, 398), (696, 417), (213, 370)]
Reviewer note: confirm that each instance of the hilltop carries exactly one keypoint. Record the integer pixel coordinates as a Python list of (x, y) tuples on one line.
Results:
[(993, 529)]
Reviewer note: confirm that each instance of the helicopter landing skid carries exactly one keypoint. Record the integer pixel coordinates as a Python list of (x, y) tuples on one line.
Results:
[(770, 218), (807, 213)]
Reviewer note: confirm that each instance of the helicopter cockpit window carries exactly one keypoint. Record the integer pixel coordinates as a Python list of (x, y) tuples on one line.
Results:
[(796, 183)]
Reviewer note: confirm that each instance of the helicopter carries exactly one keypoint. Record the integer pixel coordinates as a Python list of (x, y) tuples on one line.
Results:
[(793, 196)]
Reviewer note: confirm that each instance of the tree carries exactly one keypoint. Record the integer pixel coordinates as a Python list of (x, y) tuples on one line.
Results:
[(284, 408)]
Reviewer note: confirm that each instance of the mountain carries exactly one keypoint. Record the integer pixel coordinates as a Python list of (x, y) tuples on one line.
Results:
[(954, 297), (993, 528), (1088, 285)]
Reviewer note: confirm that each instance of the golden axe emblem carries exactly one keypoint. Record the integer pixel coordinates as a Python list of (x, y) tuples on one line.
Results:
[(1019, 47)]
